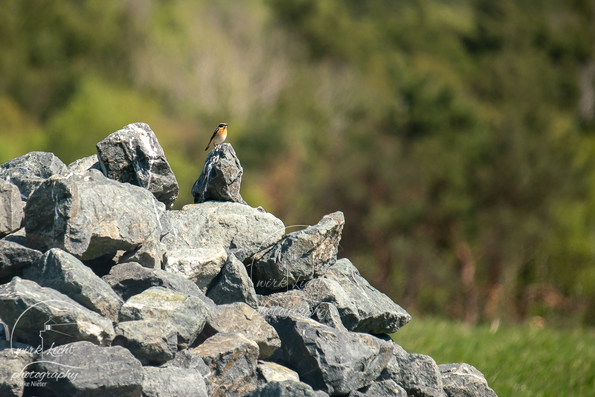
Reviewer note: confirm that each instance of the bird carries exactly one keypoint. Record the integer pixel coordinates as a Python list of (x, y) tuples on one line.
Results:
[(218, 136)]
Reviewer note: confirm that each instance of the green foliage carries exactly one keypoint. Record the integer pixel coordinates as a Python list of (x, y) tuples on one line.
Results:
[(516, 360)]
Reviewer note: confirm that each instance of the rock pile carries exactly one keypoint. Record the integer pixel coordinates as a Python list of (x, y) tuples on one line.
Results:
[(106, 291)]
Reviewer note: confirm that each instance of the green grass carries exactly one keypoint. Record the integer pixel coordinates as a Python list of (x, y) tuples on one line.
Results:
[(519, 361)]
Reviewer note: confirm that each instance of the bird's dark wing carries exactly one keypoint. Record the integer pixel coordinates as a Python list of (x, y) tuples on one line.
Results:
[(211, 140)]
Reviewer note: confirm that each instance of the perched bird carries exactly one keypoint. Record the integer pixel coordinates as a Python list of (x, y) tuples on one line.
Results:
[(218, 136)]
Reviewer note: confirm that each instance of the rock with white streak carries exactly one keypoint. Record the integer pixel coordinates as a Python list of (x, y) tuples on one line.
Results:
[(199, 265), (134, 155)]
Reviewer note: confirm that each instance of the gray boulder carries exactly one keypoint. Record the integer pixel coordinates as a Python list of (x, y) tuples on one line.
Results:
[(84, 164), (129, 279), (89, 216), (173, 382), (240, 229), (11, 208), (464, 380), (40, 311), (14, 256), (27, 172), (241, 318), (328, 314), (329, 359), (188, 314), (234, 285), (418, 374), (220, 178), (301, 255), (272, 372), (377, 312), (85, 369), (189, 360), (61, 271), (14, 363), (232, 360), (294, 302), (152, 342), (385, 388), (134, 155), (286, 388), (199, 265), (330, 291)]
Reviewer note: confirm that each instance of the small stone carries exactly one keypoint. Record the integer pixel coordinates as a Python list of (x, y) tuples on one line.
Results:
[(15, 256), (152, 342), (174, 382), (199, 265), (234, 285), (11, 208), (464, 380), (84, 164), (241, 318), (232, 359)]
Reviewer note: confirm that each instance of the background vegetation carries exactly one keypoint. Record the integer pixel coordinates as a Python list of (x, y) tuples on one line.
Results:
[(456, 135)]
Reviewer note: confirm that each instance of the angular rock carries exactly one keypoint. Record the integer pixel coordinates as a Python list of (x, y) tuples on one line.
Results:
[(129, 279), (234, 285), (232, 360), (152, 342), (301, 255), (286, 388), (133, 155), (174, 382), (199, 265), (84, 164), (88, 370), (43, 310), (377, 312), (27, 172), (387, 388), (14, 362), (328, 359), (272, 372), (241, 229), (464, 380), (327, 314), (188, 314), (220, 178), (89, 216), (416, 373), (11, 208), (293, 302), (14, 256), (189, 360), (328, 290), (241, 318), (61, 271)]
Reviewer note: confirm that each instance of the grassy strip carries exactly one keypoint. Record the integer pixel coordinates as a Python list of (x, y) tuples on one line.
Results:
[(516, 360)]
